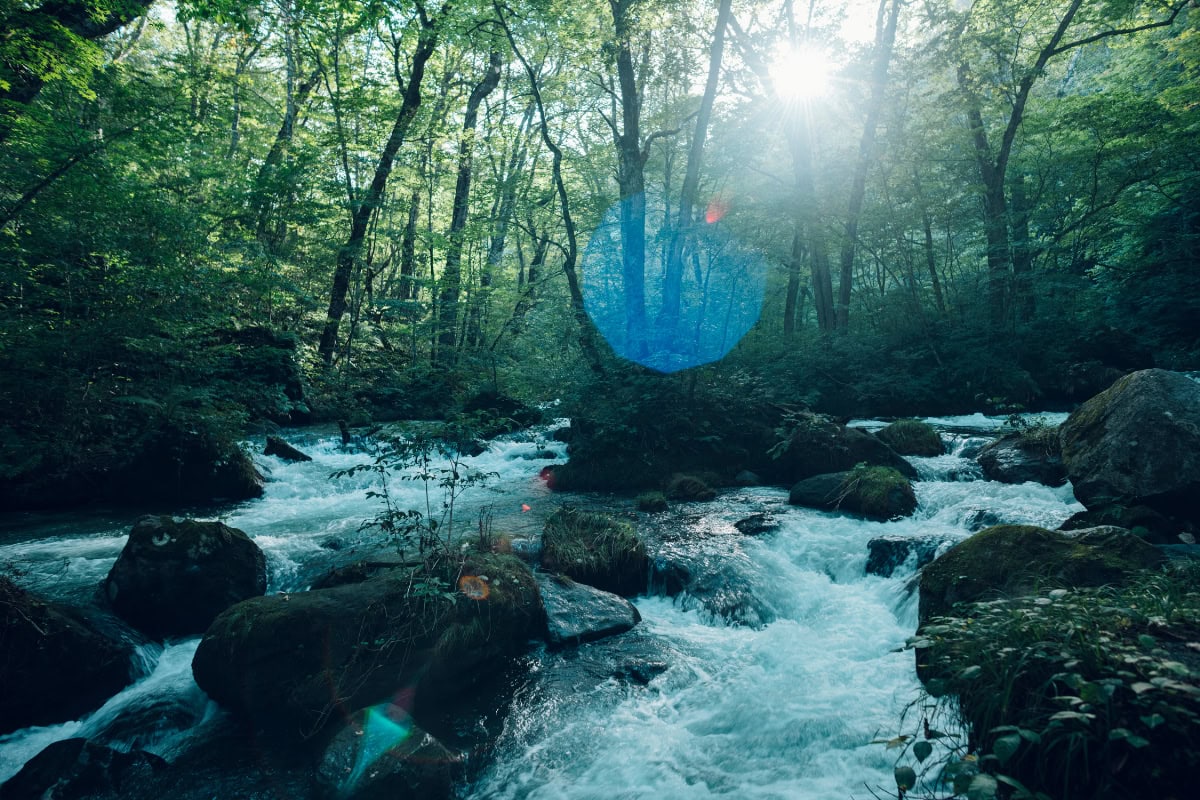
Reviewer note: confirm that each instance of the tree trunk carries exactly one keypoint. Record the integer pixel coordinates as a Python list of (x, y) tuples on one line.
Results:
[(451, 282), (348, 253), (800, 140), (885, 40)]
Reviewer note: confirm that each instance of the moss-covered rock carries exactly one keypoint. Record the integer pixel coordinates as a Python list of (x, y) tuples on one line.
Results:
[(76, 769), (690, 489), (55, 665), (289, 663), (595, 549), (174, 578), (878, 493), (1026, 455), (1009, 560), (813, 444), (1138, 443), (912, 437)]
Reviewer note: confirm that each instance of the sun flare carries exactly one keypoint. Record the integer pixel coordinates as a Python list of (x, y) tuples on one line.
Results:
[(801, 74)]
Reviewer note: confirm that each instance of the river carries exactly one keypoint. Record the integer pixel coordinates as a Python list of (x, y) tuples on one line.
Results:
[(778, 694)]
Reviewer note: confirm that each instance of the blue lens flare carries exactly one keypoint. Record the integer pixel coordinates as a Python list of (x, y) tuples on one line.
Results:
[(663, 318)]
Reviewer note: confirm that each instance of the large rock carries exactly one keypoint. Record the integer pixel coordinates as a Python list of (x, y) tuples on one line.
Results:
[(886, 554), (595, 549), (877, 493), (276, 446), (1012, 560), (818, 446), (382, 754), (291, 662), (1023, 456), (76, 769), (912, 437), (577, 613), (181, 466), (54, 665), (1138, 443), (174, 578)]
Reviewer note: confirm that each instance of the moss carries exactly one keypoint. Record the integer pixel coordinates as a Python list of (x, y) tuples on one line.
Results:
[(878, 492), (690, 488), (912, 437), (595, 549)]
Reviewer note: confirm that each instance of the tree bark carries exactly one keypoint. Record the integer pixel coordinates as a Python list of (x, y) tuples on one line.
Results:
[(451, 282), (348, 253)]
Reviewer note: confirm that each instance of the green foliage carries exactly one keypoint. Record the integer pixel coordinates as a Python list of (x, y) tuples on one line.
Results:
[(1091, 693), (912, 437), (651, 502), (596, 549)]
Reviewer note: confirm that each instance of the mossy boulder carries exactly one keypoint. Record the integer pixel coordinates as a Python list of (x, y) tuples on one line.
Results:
[(595, 549), (912, 437), (1138, 443), (879, 493), (56, 666), (816, 445), (1151, 525), (174, 578), (291, 662), (690, 488), (1011, 560), (279, 448), (1027, 455)]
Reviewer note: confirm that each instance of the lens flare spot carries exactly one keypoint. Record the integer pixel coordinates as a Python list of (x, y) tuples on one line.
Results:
[(717, 209), (526, 507), (383, 728), (474, 587)]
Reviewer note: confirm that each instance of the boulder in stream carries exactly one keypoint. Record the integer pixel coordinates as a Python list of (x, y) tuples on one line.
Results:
[(276, 446), (597, 549), (76, 769), (885, 554), (1013, 560), (173, 578), (879, 493), (1138, 443), (1026, 455), (292, 662), (56, 666), (816, 445), (577, 613), (912, 437)]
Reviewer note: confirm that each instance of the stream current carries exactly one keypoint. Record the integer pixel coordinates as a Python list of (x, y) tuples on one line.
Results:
[(775, 689)]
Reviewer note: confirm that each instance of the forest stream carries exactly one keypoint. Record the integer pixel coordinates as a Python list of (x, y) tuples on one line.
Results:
[(773, 686)]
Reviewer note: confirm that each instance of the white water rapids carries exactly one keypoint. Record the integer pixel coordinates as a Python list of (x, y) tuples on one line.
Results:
[(784, 710)]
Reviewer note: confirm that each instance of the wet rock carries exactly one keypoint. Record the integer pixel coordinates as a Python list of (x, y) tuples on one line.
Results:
[(912, 437), (281, 449), (885, 554), (382, 754), (640, 672), (878, 493), (55, 665), (596, 549), (981, 518), (1148, 523), (756, 524), (747, 478), (76, 769), (174, 578), (288, 663), (721, 587), (819, 446), (651, 502), (1024, 456), (689, 488), (1138, 443), (360, 571), (1011, 560), (577, 613)]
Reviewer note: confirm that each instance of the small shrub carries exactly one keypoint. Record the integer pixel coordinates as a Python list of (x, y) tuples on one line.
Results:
[(595, 549), (689, 488)]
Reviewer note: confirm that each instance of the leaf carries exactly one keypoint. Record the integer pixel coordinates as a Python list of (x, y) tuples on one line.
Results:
[(1126, 735), (922, 750), (1141, 687), (983, 787), (1006, 747), (906, 778), (970, 673), (1152, 721)]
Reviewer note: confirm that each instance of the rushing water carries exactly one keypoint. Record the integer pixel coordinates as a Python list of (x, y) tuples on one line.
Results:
[(783, 708)]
